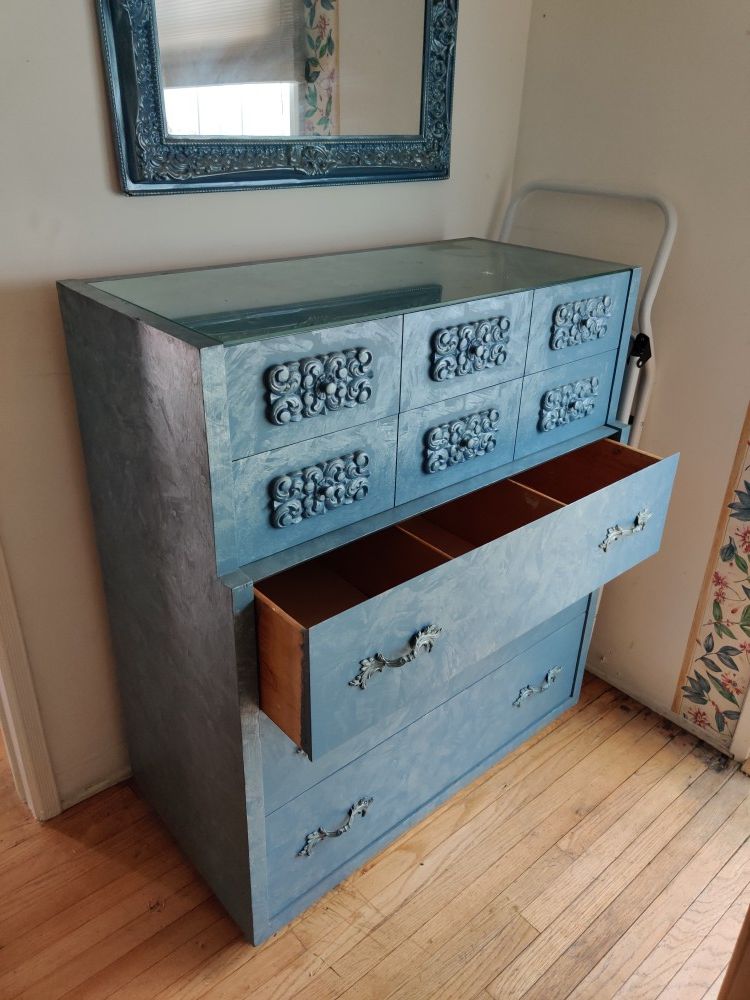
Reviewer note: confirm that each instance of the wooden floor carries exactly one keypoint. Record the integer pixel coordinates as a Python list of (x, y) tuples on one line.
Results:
[(607, 857)]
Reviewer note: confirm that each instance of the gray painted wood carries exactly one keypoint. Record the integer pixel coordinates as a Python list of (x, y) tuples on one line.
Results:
[(418, 387), (565, 380), (429, 755), (140, 408), (219, 457), (252, 428), (415, 454), (287, 773), (541, 354), (256, 534)]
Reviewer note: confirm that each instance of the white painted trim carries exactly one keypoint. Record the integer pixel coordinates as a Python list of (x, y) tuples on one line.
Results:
[(19, 711)]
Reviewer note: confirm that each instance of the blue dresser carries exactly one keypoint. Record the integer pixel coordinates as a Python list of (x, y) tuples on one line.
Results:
[(353, 514)]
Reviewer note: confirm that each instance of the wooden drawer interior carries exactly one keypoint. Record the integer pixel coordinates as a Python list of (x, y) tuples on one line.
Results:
[(586, 470), (339, 580), (478, 518)]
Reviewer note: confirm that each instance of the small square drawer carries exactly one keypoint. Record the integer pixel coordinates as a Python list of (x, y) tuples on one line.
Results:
[(288, 496), (563, 402), (349, 637), (577, 320), (458, 349), (348, 813), (292, 388), (455, 439)]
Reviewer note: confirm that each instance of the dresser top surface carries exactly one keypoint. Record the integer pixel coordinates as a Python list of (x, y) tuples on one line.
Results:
[(243, 302)]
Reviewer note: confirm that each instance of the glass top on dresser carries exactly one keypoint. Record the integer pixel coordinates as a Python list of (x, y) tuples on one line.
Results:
[(250, 301)]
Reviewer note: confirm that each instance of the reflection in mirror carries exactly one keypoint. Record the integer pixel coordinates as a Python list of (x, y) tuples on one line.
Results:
[(291, 67)]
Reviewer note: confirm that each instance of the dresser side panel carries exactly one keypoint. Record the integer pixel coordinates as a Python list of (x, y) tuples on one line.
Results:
[(141, 413)]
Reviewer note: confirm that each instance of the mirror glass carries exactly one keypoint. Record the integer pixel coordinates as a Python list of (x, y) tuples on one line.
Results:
[(256, 68)]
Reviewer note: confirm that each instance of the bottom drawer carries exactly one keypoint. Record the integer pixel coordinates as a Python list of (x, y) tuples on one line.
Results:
[(335, 821)]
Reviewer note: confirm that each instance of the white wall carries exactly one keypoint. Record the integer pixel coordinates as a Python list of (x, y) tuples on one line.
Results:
[(655, 96), (63, 216)]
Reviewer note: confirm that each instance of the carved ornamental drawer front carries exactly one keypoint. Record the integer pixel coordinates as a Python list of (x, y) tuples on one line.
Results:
[(576, 320), (563, 402), (459, 349), (356, 633), (296, 387), (456, 439), (293, 494), (312, 836)]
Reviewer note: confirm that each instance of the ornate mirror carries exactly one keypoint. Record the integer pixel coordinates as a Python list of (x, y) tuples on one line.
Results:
[(218, 94)]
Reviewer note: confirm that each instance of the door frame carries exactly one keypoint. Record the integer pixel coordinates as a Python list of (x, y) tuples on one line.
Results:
[(20, 718)]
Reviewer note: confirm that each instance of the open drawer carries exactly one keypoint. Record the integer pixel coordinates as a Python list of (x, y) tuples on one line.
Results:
[(352, 635)]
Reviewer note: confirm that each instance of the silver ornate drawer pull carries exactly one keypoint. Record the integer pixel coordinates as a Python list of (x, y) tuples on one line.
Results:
[(615, 533), (421, 642), (313, 386), (579, 322), (526, 692), (566, 403), (460, 440), (469, 348), (310, 492), (313, 839)]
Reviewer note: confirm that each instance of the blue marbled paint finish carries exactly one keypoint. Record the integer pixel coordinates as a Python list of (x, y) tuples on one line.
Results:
[(547, 304), (418, 387), (287, 773), (428, 756), (530, 436), (412, 480), (250, 429), (253, 477)]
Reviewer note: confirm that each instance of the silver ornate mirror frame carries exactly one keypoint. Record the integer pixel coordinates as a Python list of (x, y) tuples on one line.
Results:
[(152, 162)]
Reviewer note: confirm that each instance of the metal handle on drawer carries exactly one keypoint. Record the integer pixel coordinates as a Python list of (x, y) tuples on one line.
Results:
[(615, 533), (313, 839), (530, 689), (421, 642)]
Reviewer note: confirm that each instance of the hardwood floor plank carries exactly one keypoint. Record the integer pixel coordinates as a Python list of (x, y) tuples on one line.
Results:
[(256, 965), (712, 993), (531, 885), (144, 906), (86, 826), (604, 859), (182, 961), (547, 907), (591, 827), (119, 975), (564, 979), (697, 909), (535, 879), (522, 975), (90, 872), (503, 805), (707, 962), (468, 854), (555, 751), (428, 914)]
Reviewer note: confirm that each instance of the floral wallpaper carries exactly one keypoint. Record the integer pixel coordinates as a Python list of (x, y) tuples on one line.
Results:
[(320, 111), (716, 673)]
